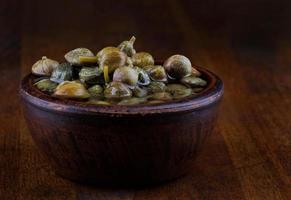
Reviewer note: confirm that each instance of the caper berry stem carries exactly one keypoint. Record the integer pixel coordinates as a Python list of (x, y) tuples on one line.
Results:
[(132, 39), (106, 74)]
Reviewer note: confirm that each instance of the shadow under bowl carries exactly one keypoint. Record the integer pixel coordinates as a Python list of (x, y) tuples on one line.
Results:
[(142, 144)]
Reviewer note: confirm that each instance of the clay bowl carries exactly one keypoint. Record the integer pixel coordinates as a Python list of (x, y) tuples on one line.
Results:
[(121, 144)]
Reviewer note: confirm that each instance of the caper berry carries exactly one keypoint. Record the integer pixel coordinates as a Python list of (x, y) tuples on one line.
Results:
[(118, 75)]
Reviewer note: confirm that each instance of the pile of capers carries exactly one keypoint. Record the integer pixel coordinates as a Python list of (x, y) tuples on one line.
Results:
[(117, 75)]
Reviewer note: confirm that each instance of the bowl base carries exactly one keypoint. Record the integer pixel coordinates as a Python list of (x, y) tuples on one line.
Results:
[(118, 182)]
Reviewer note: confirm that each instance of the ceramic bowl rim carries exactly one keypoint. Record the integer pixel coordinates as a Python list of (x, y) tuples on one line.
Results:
[(210, 95)]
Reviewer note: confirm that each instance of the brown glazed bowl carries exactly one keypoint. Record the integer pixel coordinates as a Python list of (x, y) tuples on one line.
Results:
[(121, 144)]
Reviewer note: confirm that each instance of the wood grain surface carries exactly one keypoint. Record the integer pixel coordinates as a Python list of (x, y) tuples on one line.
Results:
[(247, 43)]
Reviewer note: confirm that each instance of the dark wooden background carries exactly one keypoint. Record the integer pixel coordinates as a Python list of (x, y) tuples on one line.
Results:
[(248, 43)]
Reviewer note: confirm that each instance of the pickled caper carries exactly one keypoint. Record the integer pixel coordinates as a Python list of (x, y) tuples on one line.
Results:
[(118, 75)]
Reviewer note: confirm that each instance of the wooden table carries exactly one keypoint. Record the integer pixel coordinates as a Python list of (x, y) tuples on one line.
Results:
[(247, 43)]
